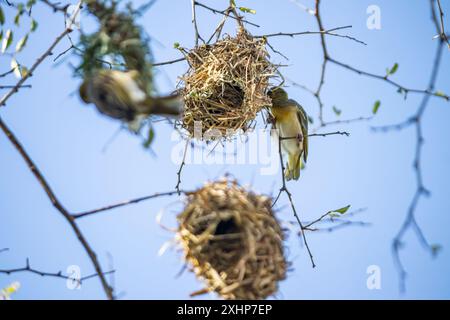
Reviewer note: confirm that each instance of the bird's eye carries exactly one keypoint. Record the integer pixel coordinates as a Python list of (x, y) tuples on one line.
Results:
[(102, 96)]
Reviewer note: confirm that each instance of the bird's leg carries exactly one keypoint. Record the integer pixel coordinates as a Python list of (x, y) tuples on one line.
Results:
[(270, 119)]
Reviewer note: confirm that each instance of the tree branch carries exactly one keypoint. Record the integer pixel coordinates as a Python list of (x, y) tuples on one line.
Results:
[(125, 203), (342, 133), (58, 274), (57, 204), (215, 11), (197, 36), (442, 33), (321, 32), (289, 195), (180, 169), (410, 221), (168, 62)]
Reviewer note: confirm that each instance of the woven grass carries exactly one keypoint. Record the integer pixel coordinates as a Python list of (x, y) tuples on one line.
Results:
[(226, 84), (232, 241)]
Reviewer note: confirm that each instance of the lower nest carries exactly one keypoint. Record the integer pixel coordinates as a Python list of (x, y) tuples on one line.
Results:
[(233, 241), (226, 84)]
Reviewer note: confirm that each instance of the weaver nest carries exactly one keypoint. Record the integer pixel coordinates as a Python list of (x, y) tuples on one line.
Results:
[(232, 241), (226, 84)]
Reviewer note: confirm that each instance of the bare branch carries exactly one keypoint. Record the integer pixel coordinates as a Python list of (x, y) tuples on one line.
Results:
[(385, 78), (180, 170), (224, 13), (289, 195), (421, 191), (13, 86), (342, 133), (125, 203), (322, 32), (7, 73), (442, 34), (56, 6), (194, 23), (58, 274), (57, 204), (168, 62)]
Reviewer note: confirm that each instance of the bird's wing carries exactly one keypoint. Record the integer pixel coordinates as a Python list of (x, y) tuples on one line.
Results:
[(114, 99), (303, 119)]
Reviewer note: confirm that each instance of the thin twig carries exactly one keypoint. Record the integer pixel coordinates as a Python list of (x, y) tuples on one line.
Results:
[(7, 73), (342, 133), (56, 7), (58, 274), (197, 36), (124, 203), (180, 169), (329, 32), (12, 86), (289, 195), (168, 62), (386, 79), (224, 13), (421, 191), (442, 34)]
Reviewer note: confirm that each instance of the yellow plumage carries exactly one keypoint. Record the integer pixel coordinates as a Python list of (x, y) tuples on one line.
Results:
[(292, 124)]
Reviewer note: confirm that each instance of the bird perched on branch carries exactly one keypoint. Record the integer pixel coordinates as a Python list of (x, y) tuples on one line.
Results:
[(120, 95), (292, 123)]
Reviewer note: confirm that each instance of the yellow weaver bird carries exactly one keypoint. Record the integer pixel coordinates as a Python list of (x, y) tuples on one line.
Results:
[(292, 123), (120, 95)]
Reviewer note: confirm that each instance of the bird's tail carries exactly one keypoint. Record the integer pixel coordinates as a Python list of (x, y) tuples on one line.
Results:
[(293, 167), (166, 106)]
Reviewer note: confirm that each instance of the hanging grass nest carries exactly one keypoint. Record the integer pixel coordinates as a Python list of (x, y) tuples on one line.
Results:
[(226, 84), (232, 240)]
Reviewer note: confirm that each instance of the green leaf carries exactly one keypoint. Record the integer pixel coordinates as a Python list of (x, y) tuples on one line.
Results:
[(149, 140), (7, 40), (394, 69), (17, 18), (176, 45), (440, 94), (342, 210), (30, 3), (1, 35), (2, 16), (247, 10), (22, 42), (376, 106), (34, 25), (337, 111)]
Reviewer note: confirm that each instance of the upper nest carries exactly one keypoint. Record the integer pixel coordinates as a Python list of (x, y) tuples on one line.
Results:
[(226, 84), (119, 43), (233, 241)]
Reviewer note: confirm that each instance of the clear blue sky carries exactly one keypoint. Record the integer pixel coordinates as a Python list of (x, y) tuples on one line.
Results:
[(371, 170)]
